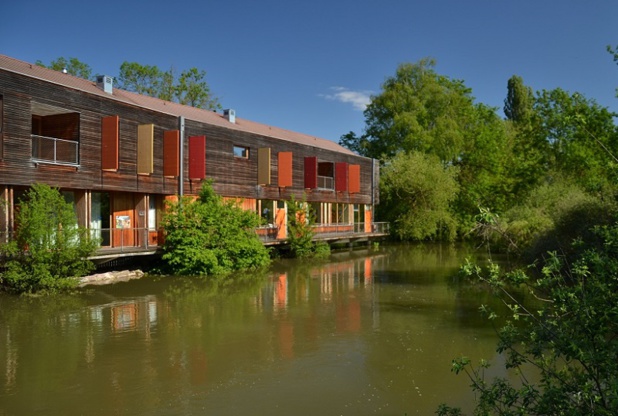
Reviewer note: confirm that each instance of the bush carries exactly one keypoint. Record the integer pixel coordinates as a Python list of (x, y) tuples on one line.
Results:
[(570, 341), (300, 232), (209, 236), (49, 250)]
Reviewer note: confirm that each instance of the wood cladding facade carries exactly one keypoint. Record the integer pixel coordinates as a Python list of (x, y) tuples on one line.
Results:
[(125, 148), (232, 176)]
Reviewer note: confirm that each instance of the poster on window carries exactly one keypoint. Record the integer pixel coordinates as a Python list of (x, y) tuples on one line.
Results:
[(123, 221)]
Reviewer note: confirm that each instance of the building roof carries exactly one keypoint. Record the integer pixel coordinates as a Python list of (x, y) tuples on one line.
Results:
[(190, 113)]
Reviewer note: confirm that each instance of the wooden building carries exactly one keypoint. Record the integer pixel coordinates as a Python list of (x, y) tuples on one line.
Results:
[(117, 156)]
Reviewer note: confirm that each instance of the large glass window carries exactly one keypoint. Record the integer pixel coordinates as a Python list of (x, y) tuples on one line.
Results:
[(99, 217)]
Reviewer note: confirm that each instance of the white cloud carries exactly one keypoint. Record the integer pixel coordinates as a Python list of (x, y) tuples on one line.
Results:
[(358, 99)]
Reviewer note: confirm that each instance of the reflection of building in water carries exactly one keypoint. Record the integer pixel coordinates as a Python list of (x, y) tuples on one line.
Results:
[(281, 292)]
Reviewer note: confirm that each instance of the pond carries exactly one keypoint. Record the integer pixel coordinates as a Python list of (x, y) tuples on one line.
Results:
[(372, 331)]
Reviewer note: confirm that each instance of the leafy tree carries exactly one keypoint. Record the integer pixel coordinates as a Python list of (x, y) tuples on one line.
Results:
[(73, 66), (49, 250), (142, 79), (581, 136), (418, 110), (194, 91), (416, 190), (568, 337), (210, 236), (519, 100), (189, 89), (301, 219)]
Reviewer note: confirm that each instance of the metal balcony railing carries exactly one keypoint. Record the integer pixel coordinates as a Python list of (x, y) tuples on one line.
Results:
[(55, 151), (326, 182)]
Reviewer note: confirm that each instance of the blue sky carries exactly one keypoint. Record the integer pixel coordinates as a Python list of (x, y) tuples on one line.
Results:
[(311, 66)]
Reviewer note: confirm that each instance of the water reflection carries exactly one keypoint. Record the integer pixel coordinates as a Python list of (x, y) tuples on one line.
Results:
[(370, 332)]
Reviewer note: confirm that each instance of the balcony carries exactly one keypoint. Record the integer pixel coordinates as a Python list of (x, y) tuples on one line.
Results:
[(55, 151), (326, 182)]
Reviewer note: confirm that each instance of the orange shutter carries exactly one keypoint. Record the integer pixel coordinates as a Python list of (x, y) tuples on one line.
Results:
[(171, 140), (354, 178), (109, 142), (285, 169)]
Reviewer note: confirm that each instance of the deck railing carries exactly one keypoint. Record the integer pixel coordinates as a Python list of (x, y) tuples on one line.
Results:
[(55, 151)]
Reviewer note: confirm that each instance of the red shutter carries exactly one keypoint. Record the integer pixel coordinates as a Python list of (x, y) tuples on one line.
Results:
[(354, 175), (109, 142), (285, 169), (311, 172), (197, 157), (171, 140), (341, 176)]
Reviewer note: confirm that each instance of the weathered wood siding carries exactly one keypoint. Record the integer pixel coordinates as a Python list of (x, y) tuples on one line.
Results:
[(232, 176)]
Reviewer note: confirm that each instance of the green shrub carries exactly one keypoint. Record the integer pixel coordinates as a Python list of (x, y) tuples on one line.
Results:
[(209, 236), (49, 250), (301, 219), (564, 348)]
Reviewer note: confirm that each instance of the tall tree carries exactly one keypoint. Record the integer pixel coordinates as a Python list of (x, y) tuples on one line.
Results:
[(142, 79), (418, 110), (519, 100), (416, 191), (193, 90), (73, 66), (581, 136)]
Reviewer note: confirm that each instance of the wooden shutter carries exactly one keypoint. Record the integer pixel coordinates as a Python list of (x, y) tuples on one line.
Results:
[(354, 178), (311, 172), (285, 169), (263, 166), (171, 149), (109, 142), (341, 176), (145, 149), (197, 157)]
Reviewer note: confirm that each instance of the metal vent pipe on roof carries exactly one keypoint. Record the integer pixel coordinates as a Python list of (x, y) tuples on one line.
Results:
[(230, 115), (106, 83)]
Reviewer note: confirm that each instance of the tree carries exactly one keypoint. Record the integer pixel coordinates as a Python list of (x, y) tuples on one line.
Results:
[(194, 91), (568, 337), (519, 100), (581, 138), (49, 250), (73, 66), (209, 236), (418, 110), (416, 191), (300, 232), (189, 89), (142, 79)]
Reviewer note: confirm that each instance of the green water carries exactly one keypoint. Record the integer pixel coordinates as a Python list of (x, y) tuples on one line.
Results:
[(370, 332)]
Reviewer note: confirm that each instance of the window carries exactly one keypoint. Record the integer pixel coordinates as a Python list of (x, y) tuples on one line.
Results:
[(55, 135), (241, 152), (326, 175)]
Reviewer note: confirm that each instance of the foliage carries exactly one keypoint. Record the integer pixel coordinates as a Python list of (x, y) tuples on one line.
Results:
[(189, 89), (73, 66), (301, 219), (416, 190), (418, 110), (49, 249), (564, 347), (209, 236), (548, 219), (519, 100), (581, 136)]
